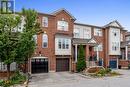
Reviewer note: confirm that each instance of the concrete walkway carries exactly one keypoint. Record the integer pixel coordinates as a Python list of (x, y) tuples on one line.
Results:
[(66, 79)]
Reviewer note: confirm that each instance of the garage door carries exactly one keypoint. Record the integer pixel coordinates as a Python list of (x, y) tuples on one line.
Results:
[(39, 65), (113, 64), (62, 64)]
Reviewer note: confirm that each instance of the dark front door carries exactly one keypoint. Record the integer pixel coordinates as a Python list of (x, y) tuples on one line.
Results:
[(62, 64), (113, 64), (39, 65)]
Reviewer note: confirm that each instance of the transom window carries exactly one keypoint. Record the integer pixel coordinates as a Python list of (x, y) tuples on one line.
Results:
[(97, 32), (62, 25), (44, 41), (44, 21)]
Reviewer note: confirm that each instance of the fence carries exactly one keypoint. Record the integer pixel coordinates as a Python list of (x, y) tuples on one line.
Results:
[(3, 67)]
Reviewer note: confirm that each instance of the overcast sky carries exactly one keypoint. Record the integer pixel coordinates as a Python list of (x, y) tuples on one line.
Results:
[(95, 12)]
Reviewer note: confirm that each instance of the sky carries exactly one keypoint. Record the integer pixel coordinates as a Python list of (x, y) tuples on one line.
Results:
[(93, 12)]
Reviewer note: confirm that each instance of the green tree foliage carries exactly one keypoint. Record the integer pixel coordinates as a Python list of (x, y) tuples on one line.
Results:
[(26, 45), (81, 63), (8, 39)]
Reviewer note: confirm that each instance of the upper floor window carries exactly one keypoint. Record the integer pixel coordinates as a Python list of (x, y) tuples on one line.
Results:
[(97, 32), (128, 38), (44, 41), (63, 43), (62, 25), (115, 46), (76, 33), (115, 32), (87, 33), (35, 38), (44, 21), (99, 47)]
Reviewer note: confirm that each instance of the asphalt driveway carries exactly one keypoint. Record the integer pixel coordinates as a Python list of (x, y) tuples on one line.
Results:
[(66, 79)]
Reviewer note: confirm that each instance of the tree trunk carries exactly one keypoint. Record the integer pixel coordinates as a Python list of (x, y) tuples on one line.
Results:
[(8, 71)]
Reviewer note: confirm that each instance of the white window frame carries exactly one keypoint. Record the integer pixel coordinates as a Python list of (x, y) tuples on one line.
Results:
[(44, 21), (44, 41), (76, 33), (62, 25), (98, 32), (63, 43)]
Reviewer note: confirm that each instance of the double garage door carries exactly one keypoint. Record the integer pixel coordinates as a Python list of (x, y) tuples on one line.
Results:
[(62, 64)]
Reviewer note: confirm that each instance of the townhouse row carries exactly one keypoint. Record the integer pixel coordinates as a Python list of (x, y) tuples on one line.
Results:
[(60, 37)]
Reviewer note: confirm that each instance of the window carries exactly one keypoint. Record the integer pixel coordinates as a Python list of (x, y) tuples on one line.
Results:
[(63, 43), (59, 44), (67, 44), (44, 41), (62, 25), (115, 46), (115, 32), (97, 32), (87, 33), (44, 21), (76, 33), (99, 47), (35, 38)]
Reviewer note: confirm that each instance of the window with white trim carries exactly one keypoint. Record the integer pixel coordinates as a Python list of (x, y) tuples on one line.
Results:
[(115, 46), (97, 32), (63, 43), (62, 25), (87, 33), (99, 47), (76, 33), (44, 41), (44, 21), (35, 38)]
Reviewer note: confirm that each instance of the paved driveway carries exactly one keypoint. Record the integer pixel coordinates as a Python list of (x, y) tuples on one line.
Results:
[(66, 79)]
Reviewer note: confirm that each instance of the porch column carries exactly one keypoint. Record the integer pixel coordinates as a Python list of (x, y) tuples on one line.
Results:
[(87, 52), (97, 53), (126, 52), (76, 53)]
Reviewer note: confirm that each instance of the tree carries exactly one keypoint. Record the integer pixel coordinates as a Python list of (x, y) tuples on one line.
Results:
[(8, 39), (81, 63), (26, 44)]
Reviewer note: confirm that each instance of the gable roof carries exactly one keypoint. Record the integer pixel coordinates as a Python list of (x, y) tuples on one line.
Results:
[(114, 23), (62, 9), (92, 41)]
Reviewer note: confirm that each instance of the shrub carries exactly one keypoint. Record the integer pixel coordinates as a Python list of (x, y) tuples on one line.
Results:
[(17, 78), (101, 72), (81, 63), (108, 70)]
